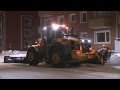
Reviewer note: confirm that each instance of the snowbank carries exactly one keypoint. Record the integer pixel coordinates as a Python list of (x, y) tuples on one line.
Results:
[(15, 53), (10, 52), (115, 58)]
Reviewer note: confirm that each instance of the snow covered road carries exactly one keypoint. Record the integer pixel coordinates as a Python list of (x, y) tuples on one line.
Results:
[(110, 70), (44, 71)]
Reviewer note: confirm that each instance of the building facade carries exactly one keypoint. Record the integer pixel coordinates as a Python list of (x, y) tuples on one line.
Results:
[(102, 27), (18, 29)]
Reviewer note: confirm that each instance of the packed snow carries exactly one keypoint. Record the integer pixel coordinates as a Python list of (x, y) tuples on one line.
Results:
[(115, 57)]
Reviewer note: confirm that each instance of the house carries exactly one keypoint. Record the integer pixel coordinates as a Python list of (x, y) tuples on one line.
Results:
[(102, 27), (18, 29)]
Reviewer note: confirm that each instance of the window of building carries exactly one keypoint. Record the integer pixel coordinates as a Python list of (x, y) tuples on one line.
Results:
[(102, 13), (41, 18), (60, 20), (27, 32), (47, 21), (72, 17), (83, 17), (27, 21), (102, 37), (83, 34), (27, 43)]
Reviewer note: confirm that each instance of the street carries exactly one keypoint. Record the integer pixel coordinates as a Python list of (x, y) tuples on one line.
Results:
[(44, 71)]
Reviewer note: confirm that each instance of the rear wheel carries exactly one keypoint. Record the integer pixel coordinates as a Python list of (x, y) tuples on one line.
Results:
[(57, 59), (32, 57), (58, 55)]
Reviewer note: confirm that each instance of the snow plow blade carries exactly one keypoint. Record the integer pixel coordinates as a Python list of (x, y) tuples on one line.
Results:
[(8, 59)]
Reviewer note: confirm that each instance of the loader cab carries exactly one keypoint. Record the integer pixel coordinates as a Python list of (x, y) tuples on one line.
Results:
[(52, 32)]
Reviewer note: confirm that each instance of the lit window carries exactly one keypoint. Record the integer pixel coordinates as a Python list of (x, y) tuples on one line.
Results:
[(83, 17), (72, 17), (27, 32), (101, 37)]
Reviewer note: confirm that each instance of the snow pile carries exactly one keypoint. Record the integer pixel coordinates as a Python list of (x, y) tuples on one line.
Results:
[(14, 53), (115, 58), (6, 52), (10, 52), (17, 53)]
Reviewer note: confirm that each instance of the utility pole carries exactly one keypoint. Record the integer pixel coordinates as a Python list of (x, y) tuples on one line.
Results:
[(3, 31), (116, 25)]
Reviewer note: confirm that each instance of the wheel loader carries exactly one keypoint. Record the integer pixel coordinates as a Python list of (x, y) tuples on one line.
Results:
[(59, 46)]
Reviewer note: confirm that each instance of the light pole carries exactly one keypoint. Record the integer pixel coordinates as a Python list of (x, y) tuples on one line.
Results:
[(116, 25)]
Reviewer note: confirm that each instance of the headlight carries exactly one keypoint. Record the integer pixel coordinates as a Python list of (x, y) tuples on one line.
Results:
[(83, 40), (45, 28), (89, 41)]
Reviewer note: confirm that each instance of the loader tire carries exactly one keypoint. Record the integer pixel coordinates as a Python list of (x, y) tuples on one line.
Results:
[(32, 57), (58, 55)]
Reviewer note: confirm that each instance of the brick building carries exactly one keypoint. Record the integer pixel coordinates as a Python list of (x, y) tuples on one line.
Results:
[(102, 27), (18, 29)]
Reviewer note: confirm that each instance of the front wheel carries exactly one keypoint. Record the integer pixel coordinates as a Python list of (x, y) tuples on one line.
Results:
[(32, 57), (57, 59), (59, 54)]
